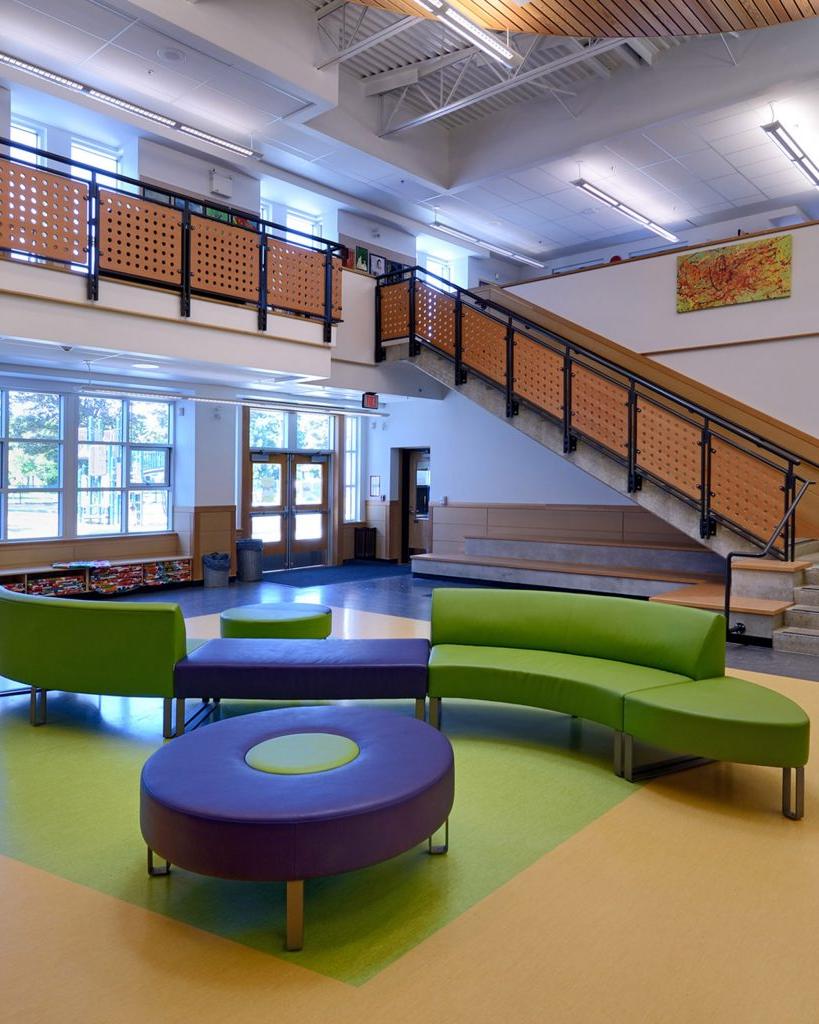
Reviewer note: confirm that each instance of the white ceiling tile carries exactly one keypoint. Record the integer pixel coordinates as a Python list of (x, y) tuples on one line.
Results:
[(543, 206), (510, 190), (89, 17), (123, 71), (774, 163), (699, 194), (672, 174), (146, 43), (739, 140), (482, 198), (676, 138), (706, 164), (735, 186), (358, 165), (573, 199), (637, 149), (310, 144), (255, 92), (753, 154), (407, 186), (747, 121), (221, 111), (523, 218), (539, 181), (42, 39)]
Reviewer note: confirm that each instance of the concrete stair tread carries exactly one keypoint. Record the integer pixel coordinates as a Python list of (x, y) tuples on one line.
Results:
[(797, 631), (570, 568), (771, 565), (549, 538), (812, 609), (711, 596)]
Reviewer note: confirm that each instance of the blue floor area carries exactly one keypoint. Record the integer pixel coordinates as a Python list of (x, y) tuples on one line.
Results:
[(403, 594), (349, 572)]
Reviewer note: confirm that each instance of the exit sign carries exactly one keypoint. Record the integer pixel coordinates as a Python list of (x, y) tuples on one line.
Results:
[(369, 400)]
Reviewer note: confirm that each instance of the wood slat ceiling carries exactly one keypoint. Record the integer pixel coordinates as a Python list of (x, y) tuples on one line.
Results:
[(623, 18)]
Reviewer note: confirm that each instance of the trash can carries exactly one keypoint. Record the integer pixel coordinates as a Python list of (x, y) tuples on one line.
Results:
[(216, 569), (249, 557)]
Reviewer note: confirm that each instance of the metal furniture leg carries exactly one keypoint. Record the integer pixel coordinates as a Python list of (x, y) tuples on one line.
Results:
[(421, 708), (167, 717), (156, 872), (793, 806), (295, 916), (618, 753), (438, 850), (180, 715), (435, 712), (38, 707)]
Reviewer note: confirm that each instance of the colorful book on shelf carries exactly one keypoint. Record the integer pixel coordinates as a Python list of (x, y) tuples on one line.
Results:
[(82, 564)]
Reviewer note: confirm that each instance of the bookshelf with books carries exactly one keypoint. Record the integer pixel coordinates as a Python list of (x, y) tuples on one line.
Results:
[(71, 579)]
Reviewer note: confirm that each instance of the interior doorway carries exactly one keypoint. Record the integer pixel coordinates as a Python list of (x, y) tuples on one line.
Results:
[(416, 525), (289, 508)]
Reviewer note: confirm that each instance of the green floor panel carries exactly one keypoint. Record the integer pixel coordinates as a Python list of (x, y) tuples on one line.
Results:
[(525, 781)]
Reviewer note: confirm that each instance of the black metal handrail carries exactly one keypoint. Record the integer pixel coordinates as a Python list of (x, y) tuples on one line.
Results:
[(782, 527), (188, 206), (636, 388)]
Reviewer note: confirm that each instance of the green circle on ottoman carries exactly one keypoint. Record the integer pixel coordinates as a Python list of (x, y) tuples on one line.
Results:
[(277, 621), (302, 753)]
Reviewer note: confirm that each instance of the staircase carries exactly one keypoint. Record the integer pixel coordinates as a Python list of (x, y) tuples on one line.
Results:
[(726, 487)]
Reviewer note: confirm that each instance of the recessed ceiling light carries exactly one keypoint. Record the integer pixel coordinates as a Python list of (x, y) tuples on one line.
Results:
[(171, 55), (145, 366)]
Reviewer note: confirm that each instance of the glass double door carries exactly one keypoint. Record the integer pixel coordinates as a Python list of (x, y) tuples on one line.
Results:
[(289, 508)]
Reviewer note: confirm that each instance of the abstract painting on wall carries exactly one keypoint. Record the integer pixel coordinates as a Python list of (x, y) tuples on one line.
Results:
[(748, 272)]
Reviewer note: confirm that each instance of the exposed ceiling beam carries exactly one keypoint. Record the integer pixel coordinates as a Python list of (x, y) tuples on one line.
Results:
[(644, 49), (597, 66), (329, 8), (369, 42), (387, 81), (587, 52)]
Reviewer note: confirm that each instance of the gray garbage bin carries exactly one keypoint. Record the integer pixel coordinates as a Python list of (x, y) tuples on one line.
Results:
[(216, 569), (249, 557)]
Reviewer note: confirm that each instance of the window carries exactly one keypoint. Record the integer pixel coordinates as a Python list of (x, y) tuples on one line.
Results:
[(304, 223), (314, 431), (267, 429), (352, 469), (32, 442), (439, 267), (102, 158), (123, 466), (276, 430), (25, 135)]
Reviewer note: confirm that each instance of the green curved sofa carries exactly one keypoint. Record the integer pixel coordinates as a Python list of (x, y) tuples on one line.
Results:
[(651, 672), (126, 649)]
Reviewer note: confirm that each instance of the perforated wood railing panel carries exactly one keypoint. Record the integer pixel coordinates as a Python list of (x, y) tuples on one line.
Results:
[(338, 277), (140, 238), (668, 447), (600, 409), (539, 375), (43, 214), (224, 259), (483, 344), (435, 317), (295, 277), (394, 311), (745, 490)]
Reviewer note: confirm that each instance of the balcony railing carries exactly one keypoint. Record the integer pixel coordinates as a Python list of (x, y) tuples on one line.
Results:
[(729, 474), (56, 211)]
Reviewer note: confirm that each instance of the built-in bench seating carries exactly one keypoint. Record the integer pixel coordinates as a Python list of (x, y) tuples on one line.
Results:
[(651, 672)]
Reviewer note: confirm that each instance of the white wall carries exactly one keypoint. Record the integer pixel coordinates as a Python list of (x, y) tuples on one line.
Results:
[(634, 304), (377, 237), (206, 445), (476, 457), (187, 173)]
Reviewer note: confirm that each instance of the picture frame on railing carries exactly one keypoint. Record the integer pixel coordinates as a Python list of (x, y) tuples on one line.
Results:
[(362, 258)]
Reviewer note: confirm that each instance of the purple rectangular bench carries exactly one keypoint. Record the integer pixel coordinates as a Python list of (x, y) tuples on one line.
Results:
[(303, 670)]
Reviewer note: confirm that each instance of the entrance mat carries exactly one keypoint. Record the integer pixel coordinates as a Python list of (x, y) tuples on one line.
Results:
[(350, 572), (526, 780)]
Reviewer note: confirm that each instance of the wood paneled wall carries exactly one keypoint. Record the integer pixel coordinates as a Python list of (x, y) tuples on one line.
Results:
[(615, 523), (44, 552), (385, 516), (206, 528)]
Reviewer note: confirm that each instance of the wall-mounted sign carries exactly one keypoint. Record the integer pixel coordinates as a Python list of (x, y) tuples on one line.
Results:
[(369, 400)]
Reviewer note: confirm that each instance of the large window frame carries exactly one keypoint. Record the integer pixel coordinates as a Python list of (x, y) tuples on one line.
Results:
[(352, 470), (145, 470)]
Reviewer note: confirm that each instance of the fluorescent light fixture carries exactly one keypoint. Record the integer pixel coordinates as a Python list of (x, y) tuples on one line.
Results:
[(145, 366), (497, 249), (793, 151), (615, 204), (472, 33), (34, 69), (214, 140), (132, 108), (125, 105)]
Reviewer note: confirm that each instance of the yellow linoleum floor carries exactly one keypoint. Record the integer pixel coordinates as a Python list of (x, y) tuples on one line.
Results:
[(691, 901)]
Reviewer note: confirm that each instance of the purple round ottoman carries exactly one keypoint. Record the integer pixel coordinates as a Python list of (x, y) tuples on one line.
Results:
[(296, 793)]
